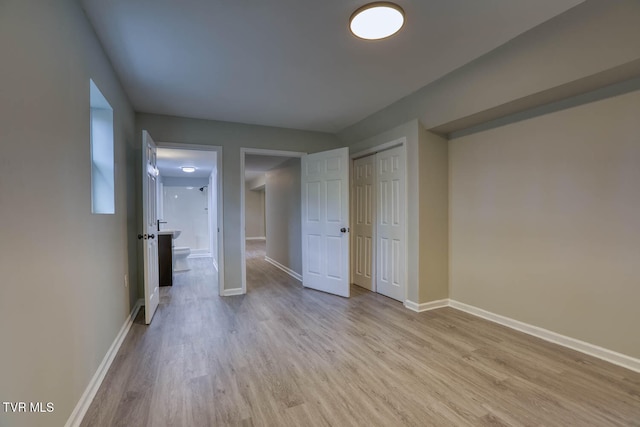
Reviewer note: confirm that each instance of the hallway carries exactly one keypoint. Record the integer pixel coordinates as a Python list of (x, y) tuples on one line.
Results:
[(262, 276), (282, 355)]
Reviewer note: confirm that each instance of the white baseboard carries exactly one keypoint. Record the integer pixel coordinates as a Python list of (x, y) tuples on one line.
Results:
[(565, 341), (232, 292), (199, 255), (75, 419), (287, 270), (256, 238), (426, 306)]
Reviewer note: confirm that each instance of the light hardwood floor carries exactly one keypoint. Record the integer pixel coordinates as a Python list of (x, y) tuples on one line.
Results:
[(285, 356)]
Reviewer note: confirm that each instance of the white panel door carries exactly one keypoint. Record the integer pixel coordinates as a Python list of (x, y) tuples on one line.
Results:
[(325, 218), (390, 220), (363, 222), (150, 224)]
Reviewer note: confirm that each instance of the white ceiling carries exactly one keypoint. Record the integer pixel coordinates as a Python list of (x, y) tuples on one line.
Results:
[(171, 160), (293, 63)]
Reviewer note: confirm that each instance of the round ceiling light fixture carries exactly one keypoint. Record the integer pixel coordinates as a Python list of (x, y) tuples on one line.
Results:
[(188, 169), (378, 20)]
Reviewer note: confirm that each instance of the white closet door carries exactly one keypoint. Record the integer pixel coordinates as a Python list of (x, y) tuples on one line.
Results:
[(390, 219), (363, 222), (325, 219)]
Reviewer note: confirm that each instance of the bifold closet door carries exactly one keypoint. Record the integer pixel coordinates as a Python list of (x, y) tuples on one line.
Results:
[(390, 223), (363, 221)]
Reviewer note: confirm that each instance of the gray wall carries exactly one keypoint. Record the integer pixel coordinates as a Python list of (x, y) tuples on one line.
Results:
[(433, 196), (544, 222), (62, 298), (254, 215), (283, 204), (232, 136)]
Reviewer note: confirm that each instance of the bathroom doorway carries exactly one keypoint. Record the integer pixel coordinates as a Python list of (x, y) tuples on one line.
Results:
[(270, 210), (190, 204)]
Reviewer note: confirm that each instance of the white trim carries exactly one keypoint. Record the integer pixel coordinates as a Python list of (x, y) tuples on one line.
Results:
[(232, 292), (243, 152), (284, 268), (203, 255), (220, 204), (270, 152), (563, 340), (215, 263), (75, 419), (381, 147), (426, 306), (196, 252), (256, 238), (243, 232)]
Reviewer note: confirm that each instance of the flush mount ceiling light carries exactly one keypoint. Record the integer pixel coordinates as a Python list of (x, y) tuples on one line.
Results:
[(375, 21), (188, 169)]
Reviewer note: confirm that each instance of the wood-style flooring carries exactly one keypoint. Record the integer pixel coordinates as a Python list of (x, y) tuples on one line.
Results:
[(287, 356)]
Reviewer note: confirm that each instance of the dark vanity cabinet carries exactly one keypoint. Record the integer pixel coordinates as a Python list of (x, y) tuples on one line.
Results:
[(165, 260)]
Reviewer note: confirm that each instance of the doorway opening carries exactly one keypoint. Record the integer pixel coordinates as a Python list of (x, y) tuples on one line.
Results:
[(190, 205), (270, 209)]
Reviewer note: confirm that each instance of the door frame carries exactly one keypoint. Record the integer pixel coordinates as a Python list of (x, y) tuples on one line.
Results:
[(263, 152), (219, 197), (400, 142)]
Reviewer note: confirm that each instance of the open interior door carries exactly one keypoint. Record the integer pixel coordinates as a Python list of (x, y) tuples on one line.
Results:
[(150, 224), (325, 221)]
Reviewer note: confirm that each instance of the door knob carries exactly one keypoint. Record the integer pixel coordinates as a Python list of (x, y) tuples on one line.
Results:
[(343, 230), (142, 236), (152, 236)]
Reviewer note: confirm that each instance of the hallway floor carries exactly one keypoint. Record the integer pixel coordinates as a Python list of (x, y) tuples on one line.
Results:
[(285, 356)]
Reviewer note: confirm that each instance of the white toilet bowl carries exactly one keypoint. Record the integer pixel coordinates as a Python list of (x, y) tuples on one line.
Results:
[(180, 254)]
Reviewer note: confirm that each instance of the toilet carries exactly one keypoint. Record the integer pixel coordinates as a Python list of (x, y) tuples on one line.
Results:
[(180, 254)]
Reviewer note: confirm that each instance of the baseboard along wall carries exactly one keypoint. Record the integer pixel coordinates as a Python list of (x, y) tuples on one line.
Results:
[(545, 334), (284, 268), (232, 292), (76, 417), (431, 305)]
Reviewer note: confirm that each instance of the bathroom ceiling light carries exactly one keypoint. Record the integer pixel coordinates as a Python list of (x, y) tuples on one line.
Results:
[(375, 21), (188, 169)]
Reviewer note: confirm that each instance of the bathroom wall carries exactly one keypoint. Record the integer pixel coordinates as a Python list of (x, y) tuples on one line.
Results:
[(185, 208)]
